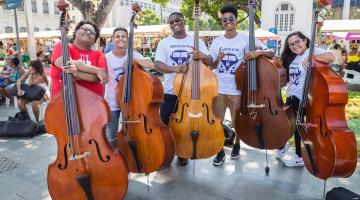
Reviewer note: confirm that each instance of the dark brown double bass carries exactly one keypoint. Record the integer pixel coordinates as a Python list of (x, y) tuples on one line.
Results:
[(264, 121), (328, 145), (86, 168), (198, 132), (145, 141)]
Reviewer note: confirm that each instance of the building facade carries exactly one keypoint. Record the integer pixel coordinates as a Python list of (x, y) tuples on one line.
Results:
[(46, 15), (294, 15)]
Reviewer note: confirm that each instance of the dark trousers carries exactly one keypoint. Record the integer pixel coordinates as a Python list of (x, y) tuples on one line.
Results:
[(294, 102), (167, 107)]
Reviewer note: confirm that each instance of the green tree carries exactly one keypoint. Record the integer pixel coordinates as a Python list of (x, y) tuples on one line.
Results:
[(212, 7), (148, 17), (97, 11)]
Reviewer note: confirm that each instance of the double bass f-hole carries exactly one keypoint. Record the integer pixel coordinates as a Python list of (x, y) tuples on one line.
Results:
[(270, 107), (182, 113), (92, 141), (148, 131), (321, 126), (64, 166), (212, 121)]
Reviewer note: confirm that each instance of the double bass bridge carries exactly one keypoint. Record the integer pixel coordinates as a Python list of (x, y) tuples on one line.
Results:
[(253, 105), (195, 115), (130, 122), (79, 156)]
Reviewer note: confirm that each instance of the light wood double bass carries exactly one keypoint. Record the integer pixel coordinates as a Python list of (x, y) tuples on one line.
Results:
[(328, 146), (145, 141), (86, 167), (198, 132)]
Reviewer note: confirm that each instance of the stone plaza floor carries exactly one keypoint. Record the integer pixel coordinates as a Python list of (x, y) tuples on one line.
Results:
[(24, 162)]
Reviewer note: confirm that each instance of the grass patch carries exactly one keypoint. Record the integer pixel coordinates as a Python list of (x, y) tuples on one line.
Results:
[(352, 113), (352, 109)]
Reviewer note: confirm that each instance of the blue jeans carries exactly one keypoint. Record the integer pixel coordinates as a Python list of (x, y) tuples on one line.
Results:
[(112, 127)]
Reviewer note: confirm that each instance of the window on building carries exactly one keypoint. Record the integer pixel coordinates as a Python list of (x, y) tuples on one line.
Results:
[(33, 6), (9, 29), (284, 17), (56, 9), (22, 29), (36, 29), (122, 3), (47, 29), (45, 7), (126, 2)]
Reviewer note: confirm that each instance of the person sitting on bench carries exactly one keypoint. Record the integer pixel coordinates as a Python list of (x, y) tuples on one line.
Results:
[(34, 76), (16, 72)]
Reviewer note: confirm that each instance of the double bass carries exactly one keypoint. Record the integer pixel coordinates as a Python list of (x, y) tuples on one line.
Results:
[(86, 167), (145, 141), (198, 132), (264, 121), (328, 146)]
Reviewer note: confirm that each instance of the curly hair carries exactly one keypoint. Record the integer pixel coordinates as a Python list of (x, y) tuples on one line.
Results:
[(229, 8), (97, 31)]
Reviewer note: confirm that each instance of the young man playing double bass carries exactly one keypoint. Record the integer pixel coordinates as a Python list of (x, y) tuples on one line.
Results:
[(227, 52), (87, 66), (172, 56)]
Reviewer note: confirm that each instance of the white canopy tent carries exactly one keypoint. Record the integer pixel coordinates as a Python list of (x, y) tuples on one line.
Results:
[(259, 34), (351, 25)]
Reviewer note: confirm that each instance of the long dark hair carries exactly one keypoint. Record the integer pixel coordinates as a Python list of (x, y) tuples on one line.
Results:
[(39, 69), (287, 56)]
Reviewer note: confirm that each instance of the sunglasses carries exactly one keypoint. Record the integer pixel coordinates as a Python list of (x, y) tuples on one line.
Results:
[(177, 20), (295, 43), (226, 19), (89, 30)]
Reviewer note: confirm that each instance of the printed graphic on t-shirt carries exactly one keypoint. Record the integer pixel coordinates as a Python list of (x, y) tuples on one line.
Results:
[(228, 64), (119, 74), (294, 74), (179, 57), (85, 58)]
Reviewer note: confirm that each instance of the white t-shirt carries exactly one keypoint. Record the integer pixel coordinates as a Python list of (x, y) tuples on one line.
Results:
[(172, 52), (234, 50), (115, 72), (297, 74)]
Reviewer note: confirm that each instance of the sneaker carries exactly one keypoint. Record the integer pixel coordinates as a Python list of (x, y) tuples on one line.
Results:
[(280, 153), (219, 159), (235, 151), (294, 161), (182, 161)]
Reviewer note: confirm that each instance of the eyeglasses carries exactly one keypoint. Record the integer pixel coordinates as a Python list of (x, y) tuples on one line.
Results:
[(226, 19), (295, 43), (89, 30), (177, 20)]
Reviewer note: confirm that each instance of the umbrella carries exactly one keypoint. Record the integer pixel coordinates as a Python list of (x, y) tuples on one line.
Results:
[(352, 36)]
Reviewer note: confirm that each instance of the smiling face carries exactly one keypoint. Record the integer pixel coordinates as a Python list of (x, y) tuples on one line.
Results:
[(177, 24), (228, 21), (86, 34), (120, 39), (297, 45)]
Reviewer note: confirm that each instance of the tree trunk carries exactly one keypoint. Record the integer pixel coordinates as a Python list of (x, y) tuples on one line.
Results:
[(91, 12)]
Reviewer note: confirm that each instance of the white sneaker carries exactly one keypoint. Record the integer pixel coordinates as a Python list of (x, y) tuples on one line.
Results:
[(294, 161), (280, 153)]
